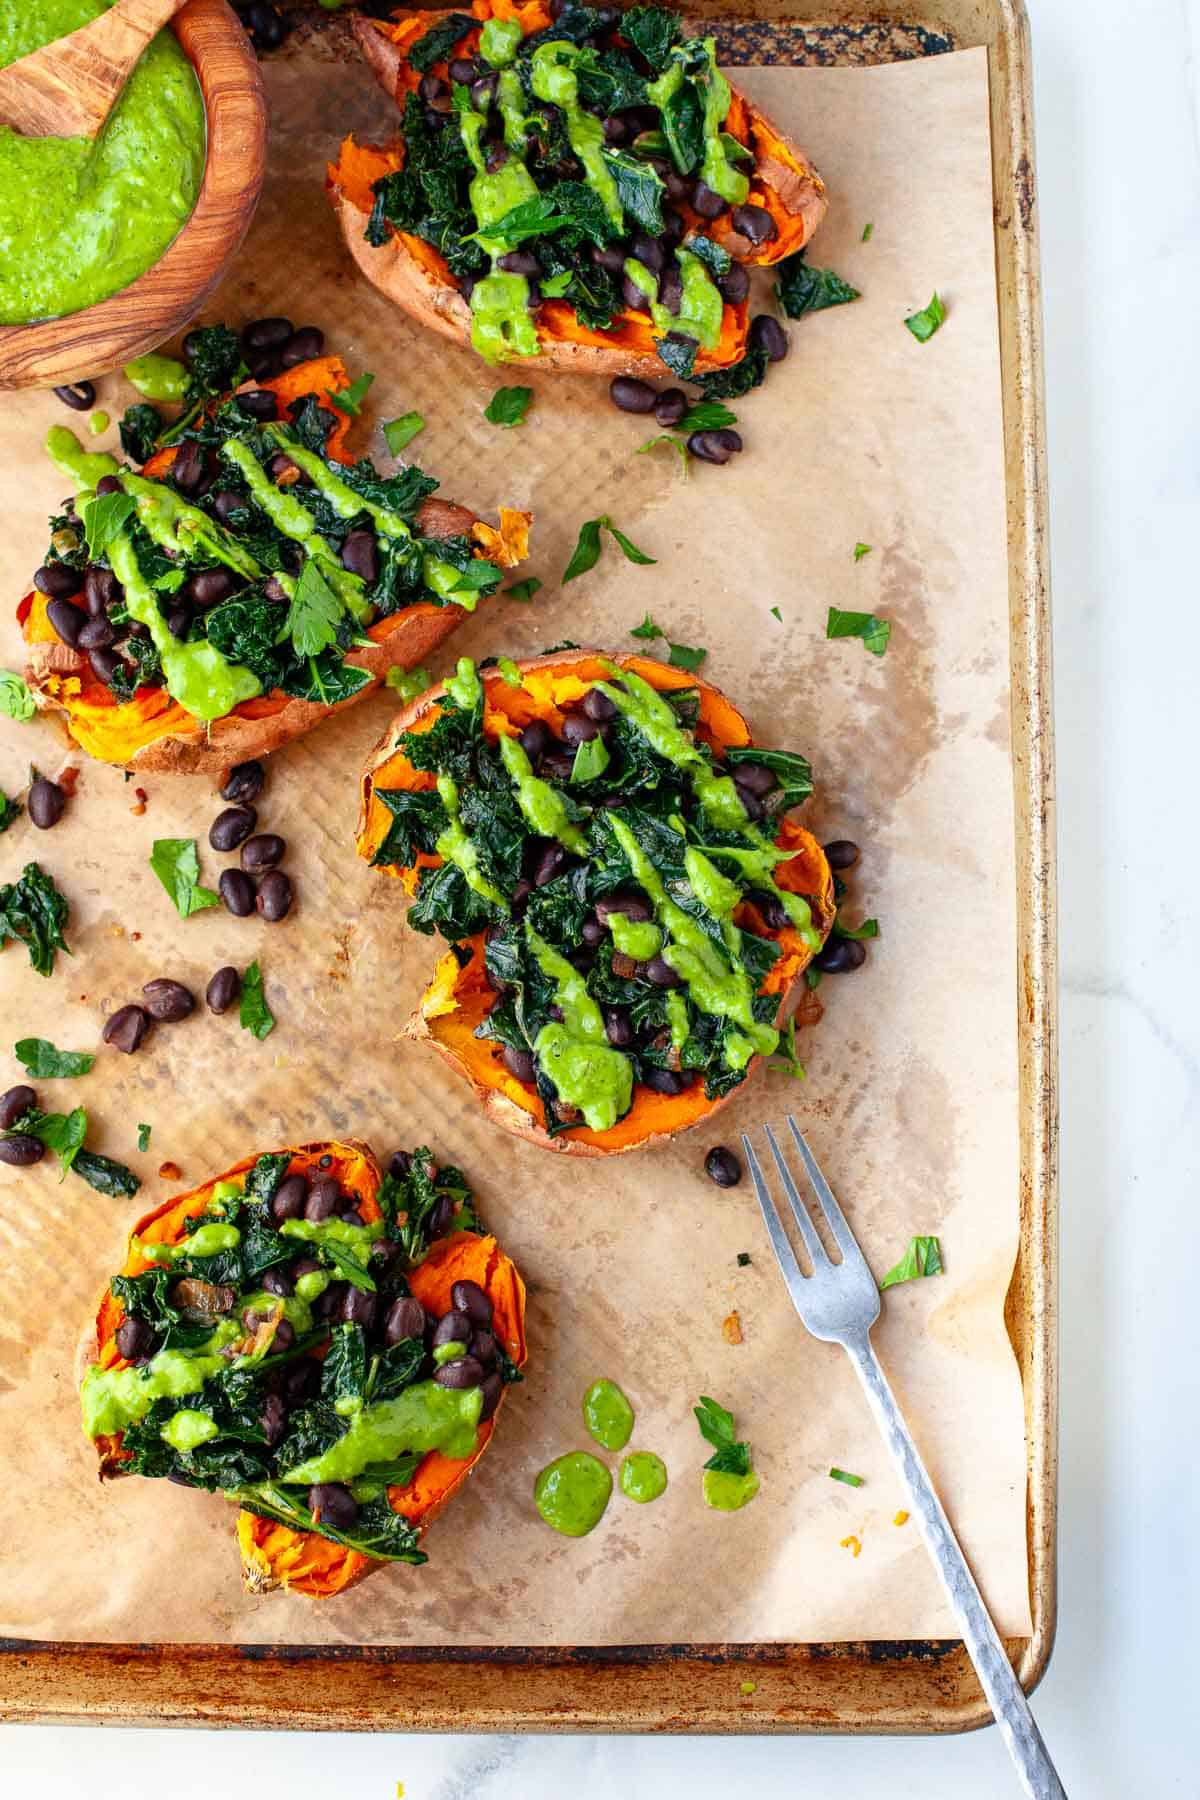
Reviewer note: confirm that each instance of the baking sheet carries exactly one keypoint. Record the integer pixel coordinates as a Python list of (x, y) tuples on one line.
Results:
[(911, 1096)]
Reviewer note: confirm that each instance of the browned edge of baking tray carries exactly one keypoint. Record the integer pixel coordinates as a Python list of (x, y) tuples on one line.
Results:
[(895, 1687)]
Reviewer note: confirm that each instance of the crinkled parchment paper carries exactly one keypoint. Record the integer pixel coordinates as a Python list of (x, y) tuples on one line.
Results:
[(911, 1097)]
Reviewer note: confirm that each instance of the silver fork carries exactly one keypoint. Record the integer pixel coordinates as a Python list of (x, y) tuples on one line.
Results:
[(839, 1302)]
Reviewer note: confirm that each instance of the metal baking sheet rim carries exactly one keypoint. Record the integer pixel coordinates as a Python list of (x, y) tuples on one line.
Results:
[(910, 1686)]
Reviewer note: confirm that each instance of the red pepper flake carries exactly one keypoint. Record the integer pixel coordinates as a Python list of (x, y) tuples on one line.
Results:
[(69, 778), (169, 1171), (731, 1330), (135, 937)]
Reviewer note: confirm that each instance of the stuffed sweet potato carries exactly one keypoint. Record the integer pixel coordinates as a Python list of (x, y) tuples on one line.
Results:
[(326, 1346), (628, 902), (252, 579), (582, 191)]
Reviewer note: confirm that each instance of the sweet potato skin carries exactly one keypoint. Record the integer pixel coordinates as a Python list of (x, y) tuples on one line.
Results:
[(156, 736), (273, 1555), (412, 275), (457, 1000)]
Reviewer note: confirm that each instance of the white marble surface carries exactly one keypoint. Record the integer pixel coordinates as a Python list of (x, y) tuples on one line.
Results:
[(1118, 98)]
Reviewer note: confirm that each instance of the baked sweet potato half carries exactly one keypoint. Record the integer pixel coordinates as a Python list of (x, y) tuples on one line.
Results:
[(628, 901), (583, 192), (254, 578), (326, 1345)]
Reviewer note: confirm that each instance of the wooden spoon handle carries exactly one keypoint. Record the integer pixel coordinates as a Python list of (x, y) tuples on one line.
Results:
[(67, 89)]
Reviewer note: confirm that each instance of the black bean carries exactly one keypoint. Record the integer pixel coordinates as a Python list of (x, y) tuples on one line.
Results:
[(324, 1199), (331, 1503), (401, 1164), (282, 469), (519, 262), (537, 740), (359, 1308), (434, 92), (483, 92), (453, 1328), (774, 912), (633, 296), (105, 665), (593, 933), (100, 589), (483, 1348), (168, 1001), (360, 554), (723, 1167), (188, 469), (406, 1319), (612, 258), (237, 891), (734, 284), (80, 396), (754, 778), (464, 70), (706, 202), (328, 1303), (752, 806), (666, 1081), (274, 899), (463, 1372), (289, 1201), (598, 706), (96, 634), (493, 1387), (841, 854), (209, 588), (659, 973), (714, 446), (135, 1338), (68, 621), (768, 335), (179, 619), (107, 484), (442, 1216), (520, 895), (223, 989), (302, 346), (755, 223), (617, 1027), (266, 334), (14, 1102), (551, 862), (649, 252), (262, 852), (264, 364), (302, 1379), (674, 224), (126, 1028), (261, 404), (578, 729), (56, 580), (243, 783), (226, 503), (670, 406), (274, 590), (273, 1419), (353, 1217), (469, 1298), (519, 1063), (616, 129), (670, 288), (839, 956), (267, 28), (279, 1283), (232, 827), (21, 1150), (634, 907)]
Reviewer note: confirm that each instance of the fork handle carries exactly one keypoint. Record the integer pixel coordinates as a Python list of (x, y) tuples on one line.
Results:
[(1004, 1693)]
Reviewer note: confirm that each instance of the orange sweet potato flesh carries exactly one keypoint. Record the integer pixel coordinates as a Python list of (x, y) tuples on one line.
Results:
[(154, 734), (413, 274), (273, 1555), (459, 999)]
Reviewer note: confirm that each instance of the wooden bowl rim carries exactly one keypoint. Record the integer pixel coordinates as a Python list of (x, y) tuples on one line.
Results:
[(52, 352)]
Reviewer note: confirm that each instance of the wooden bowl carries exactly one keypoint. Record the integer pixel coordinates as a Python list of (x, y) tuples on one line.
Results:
[(100, 338)]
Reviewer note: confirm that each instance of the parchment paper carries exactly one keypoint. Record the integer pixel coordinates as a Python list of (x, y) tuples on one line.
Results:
[(862, 434)]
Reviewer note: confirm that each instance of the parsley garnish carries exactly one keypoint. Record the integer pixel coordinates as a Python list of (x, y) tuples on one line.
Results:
[(867, 230), (784, 1060), (587, 549), (801, 289), (678, 445), (776, 614), (868, 929), (683, 656), (349, 400), (743, 1259), (523, 590), (873, 632), (591, 759), (143, 1140), (923, 1257), (399, 433), (176, 862), (45, 1063), (34, 913), (647, 629), (103, 518), (9, 810), (843, 1475), (314, 613), (861, 550), (254, 1014), (508, 406), (923, 324)]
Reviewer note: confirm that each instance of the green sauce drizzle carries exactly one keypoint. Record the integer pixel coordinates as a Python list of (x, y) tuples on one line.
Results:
[(729, 1493), (572, 1492), (608, 1414), (643, 1476), (576, 1055)]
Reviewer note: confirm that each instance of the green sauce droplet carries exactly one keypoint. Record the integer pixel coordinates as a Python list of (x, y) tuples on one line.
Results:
[(728, 1493), (608, 1414), (572, 1492), (643, 1476)]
